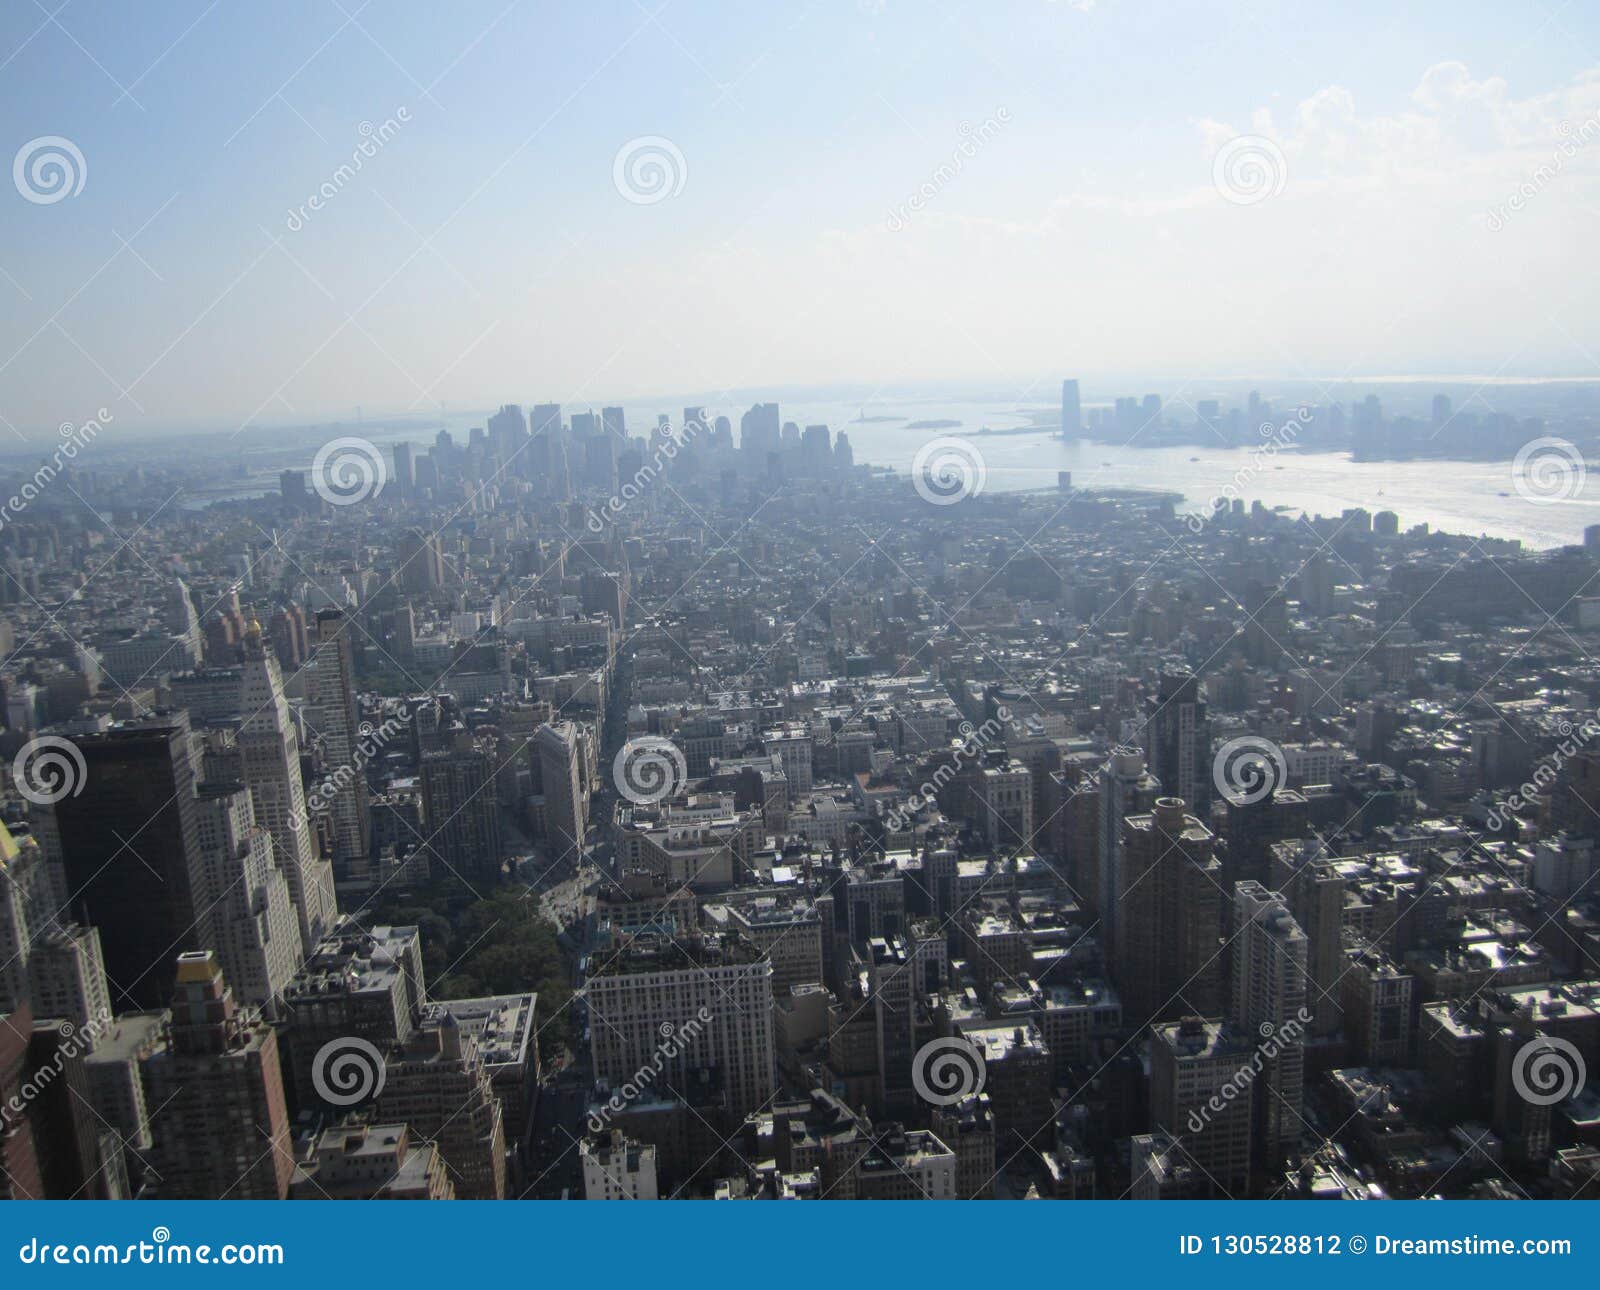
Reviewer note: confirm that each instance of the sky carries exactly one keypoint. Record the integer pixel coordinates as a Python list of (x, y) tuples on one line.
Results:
[(582, 203)]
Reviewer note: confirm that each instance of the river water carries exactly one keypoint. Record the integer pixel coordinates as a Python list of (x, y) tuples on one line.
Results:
[(1471, 498)]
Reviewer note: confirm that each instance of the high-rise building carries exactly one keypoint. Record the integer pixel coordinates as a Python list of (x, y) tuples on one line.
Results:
[(816, 451), (269, 765), (31, 901), (421, 567), (357, 983), (462, 803), (220, 1123), (1169, 957), (371, 1162), (292, 488), (1178, 741), (559, 753), (19, 1152), (759, 436), (131, 850), (714, 994), (332, 692), (1191, 1062), (117, 1091), (1071, 410), (438, 1082), (405, 470), (508, 433), (1269, 1000), (1125, 788), (69, 979), (255, 925), (546, 457), (617, 1168), (50, 1143), (1005, 807)]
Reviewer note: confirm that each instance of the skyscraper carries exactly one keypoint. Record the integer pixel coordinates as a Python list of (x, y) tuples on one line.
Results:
[(131, 850), (1071, 410), (332, 692), (566, 810), (462, 805), (356, 983), (421, 568), (1178, 741), (220, 1124), (508, 433), (1269, 1000), (255, 925), (30, 901), (437, 1081), (721, 982), (1192, 1062), (759, 436), (1168, 960), (405, 471), (1125, 788), (269, 765)]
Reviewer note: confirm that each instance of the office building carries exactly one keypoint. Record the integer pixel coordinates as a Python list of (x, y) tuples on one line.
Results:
[(220, 1123), (1169, 957), (131, 849), (1071, 411), (1178, 741), (255, 929), (1270, 984), (268, 744), (462, 805), (654, 984), (332, 695)]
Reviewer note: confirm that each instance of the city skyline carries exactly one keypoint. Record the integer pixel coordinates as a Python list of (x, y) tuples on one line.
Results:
[(464, 239), (1089, 691)]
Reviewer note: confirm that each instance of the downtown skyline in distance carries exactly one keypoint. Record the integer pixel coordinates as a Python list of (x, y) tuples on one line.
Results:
[(394, 209)]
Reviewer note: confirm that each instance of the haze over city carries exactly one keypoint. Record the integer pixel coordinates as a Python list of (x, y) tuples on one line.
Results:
[(853, 602), (1063, 153)]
